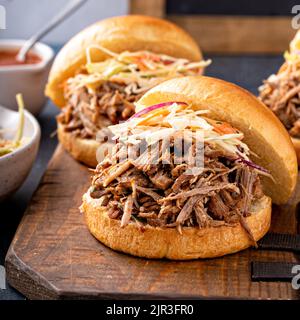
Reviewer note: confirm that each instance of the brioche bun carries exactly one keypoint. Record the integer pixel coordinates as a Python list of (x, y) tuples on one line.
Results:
[(157, 243), (131, 33), (87, 151), (264, 133), (83, 150)]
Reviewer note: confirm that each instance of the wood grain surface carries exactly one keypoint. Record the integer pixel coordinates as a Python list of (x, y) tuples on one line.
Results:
[(226, 33), (238, 34), (155, 8), (53, 256)]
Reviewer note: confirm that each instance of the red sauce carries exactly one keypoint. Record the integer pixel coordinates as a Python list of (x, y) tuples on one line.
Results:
[(8, 58)]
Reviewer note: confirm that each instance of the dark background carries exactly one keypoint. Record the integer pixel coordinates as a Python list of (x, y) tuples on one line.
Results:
[(231, 7)]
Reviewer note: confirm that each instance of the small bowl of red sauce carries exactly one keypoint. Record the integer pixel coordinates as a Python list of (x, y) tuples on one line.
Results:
[(28, 77)]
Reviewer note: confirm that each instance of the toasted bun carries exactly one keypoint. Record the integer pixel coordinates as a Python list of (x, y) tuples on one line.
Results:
[(264, 133), (132, 33), (155, 242), (83, 150)]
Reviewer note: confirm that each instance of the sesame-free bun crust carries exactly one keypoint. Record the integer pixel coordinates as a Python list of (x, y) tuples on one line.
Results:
[(83, 150), (157, 243), (131, 33), (264, 133)]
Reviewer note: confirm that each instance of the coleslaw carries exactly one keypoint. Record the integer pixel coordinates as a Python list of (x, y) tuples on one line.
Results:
[(8, 146), (173, 117), (139, 70)]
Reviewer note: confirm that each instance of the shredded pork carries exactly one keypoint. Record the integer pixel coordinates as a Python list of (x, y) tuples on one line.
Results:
[(167, 195), (88, 111), (281, 93)]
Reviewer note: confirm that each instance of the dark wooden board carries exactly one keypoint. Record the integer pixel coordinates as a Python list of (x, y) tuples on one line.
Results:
[(53, 256)]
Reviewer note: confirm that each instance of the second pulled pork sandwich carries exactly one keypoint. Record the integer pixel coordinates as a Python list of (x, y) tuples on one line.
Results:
[(151, 199), (281, 92), (103, 70)]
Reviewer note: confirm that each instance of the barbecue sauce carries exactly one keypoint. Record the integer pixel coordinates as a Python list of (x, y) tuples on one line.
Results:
[(9, 58)]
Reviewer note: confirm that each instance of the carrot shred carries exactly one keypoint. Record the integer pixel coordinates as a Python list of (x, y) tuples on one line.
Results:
[(155, 113), (222, 127)]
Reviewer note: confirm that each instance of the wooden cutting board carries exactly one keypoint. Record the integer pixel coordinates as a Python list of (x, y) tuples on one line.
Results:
[(53, 255)]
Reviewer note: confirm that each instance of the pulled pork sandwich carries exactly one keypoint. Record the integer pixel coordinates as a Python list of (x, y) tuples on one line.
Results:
[(154, 197), (281, 93), (102, 71)]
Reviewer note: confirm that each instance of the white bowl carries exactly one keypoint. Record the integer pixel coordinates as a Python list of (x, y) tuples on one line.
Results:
[(15, 166), (30, 79)]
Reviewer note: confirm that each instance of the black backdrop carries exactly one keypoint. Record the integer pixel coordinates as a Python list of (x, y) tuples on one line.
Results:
[(231, 7)]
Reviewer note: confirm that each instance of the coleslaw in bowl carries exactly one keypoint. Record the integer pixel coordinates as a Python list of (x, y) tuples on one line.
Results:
[(19, 142)]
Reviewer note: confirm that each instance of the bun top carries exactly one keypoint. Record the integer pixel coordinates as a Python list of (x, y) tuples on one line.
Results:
[(125, 33), (264, 133)]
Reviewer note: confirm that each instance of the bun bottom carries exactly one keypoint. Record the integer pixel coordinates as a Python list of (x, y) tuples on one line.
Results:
[(157, 243), (296, 143), (83, 150)]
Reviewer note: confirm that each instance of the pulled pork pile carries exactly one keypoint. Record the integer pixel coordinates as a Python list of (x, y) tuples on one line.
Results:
[(167, 194), (281, 93), (103, 93), (88, 112)]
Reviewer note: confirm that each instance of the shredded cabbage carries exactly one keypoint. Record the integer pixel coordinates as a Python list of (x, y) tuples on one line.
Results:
[(293, 55), (143, 68), (176, 118)]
